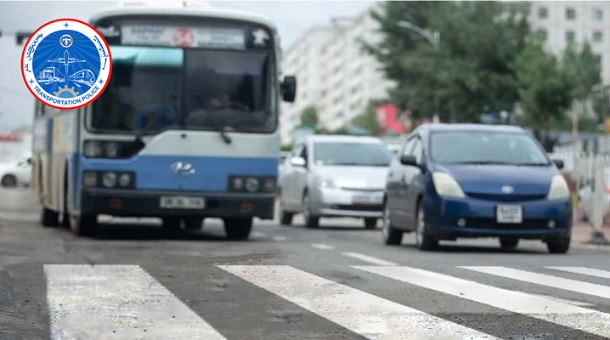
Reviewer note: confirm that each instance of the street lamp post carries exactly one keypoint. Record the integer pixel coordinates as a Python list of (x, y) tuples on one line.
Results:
[(434, 38)]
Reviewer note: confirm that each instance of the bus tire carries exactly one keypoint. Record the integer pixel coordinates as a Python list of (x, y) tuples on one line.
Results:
[(83, 225), (238, 228), (193, 223), (49, 218)]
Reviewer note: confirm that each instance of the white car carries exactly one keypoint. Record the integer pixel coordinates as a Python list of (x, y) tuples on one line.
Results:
[(17, 172)]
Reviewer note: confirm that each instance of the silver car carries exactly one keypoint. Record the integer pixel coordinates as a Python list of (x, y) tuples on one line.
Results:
[(335, 176)]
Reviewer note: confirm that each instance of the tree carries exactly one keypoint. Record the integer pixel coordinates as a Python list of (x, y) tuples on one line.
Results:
[(601, 105), (545, 90), (582, 68), (468, 73), (368, 119), (309, 116)]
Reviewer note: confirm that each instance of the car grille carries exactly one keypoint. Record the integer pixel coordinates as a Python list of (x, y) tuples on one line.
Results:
[(506, 197), (358, 207), (489, 223)]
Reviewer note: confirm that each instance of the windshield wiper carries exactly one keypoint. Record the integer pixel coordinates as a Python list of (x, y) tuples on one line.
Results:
[(223, 134)]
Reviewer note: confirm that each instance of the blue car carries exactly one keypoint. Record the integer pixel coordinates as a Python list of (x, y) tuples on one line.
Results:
[(466, 181)]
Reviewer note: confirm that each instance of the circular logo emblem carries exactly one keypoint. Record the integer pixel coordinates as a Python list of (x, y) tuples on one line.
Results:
[(184, 37), (66, 64), (507, 189)]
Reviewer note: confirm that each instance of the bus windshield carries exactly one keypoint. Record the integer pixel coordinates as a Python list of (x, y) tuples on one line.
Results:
[(158, 88)]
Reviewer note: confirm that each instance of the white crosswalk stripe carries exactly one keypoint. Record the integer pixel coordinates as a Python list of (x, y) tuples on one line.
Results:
[(546, 280), (365, 314), (584, 271), (533, 306), (117, 302), (125, 302)]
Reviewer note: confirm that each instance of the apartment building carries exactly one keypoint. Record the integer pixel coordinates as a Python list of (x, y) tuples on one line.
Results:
[(337, 76)]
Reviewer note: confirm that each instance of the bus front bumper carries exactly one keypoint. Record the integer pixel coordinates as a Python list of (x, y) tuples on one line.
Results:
[(128, 203)]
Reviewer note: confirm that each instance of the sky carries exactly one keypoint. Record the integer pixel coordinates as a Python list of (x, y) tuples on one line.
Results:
[(292, 18)]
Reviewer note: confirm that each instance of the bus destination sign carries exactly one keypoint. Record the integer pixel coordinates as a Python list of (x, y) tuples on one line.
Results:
[(193, 37)]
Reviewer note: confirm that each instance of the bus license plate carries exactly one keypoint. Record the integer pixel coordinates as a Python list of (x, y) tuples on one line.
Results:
[(367, 200), (509, 214), (182, 202)]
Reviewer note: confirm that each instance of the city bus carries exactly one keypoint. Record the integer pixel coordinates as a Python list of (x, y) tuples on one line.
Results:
[(186, 129)]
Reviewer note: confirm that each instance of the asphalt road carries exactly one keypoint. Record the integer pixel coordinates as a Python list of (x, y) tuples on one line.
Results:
[(136, 281)]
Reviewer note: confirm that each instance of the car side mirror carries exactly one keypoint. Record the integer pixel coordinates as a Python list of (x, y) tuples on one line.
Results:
[(289, 89), (297, 161), (408, 160), (559, 163)]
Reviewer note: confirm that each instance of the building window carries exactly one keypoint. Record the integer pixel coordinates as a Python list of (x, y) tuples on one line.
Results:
[(542, 34), (598, 36), (543, 12), (570, 13), (570, 36), (598, 14)]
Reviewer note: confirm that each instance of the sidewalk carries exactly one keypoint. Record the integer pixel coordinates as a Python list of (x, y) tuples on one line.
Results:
[(581, 232)]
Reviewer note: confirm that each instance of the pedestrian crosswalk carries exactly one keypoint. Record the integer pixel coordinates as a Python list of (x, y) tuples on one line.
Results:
[(125, 302)]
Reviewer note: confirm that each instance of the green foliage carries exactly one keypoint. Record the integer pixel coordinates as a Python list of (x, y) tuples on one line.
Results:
[(601, 105), (582, 68), (286, 147), (368, 119), (309, 116), (469, 72), (545, 91)]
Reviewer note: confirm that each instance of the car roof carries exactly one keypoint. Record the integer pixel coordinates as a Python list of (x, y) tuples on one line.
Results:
[(427, 128), (344, 139)]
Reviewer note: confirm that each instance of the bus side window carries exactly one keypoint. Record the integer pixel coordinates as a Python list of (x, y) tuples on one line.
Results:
[(39, 109)]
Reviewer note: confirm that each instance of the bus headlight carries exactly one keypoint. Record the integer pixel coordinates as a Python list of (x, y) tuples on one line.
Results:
[(252, 184), (125, 180), (269, 185), (109, 179), (111, 149), (93, 149)]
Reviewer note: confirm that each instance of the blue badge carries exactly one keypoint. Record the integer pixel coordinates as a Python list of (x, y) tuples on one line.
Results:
[(66, 64)]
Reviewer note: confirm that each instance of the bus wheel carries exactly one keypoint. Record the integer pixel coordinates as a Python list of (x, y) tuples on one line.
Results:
[(193, 223), (83, 225), (171, 223), (238, 228), (49, 218), (9, 181)]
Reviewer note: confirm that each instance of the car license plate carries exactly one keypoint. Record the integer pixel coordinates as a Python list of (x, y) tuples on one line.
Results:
[(509, 214), (182, 202), (367, 200)]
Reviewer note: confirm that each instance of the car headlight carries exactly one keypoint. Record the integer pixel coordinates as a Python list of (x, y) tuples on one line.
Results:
[(559, 188), (446, 185)]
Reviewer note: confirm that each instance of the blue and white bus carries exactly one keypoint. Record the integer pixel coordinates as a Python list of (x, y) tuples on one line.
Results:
[(187, 127)]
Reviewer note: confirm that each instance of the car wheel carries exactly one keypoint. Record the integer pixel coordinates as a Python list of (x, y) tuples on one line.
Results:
[(238, 228), (171, 223), (9, 181), (193, 223), (65, 220), (423, 240), (83, 225), (310, 221), (370, 223), (285, 217), (49, 218), (508, 243), (391, 236), (558, 246)]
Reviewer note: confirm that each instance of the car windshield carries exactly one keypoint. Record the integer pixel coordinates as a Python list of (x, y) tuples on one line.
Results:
[(351, 154), (470, 147), (152, 89)]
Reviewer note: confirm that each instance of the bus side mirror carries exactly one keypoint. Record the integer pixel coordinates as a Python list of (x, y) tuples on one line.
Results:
[(289, 89)]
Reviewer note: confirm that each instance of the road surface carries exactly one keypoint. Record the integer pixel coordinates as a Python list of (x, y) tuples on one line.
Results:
[(136, 281)]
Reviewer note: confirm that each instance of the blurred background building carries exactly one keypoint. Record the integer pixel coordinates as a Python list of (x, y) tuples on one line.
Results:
[(338, 77)]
